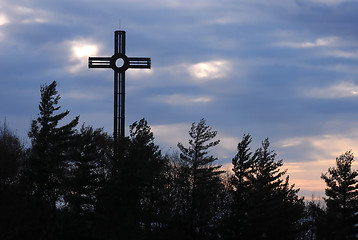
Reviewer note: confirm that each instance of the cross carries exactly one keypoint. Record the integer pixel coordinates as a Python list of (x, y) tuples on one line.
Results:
[(119, 62)]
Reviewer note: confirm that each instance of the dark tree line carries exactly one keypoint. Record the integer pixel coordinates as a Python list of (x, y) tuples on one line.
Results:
[(68, 185)]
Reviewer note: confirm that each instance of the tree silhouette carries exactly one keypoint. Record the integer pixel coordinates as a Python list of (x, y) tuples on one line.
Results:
[(68, 185), (145, 165), (50, 143), (342, 198), (46, 164), (85, 176), (242, 168), (202, 178), (265, 206), (14, 208), (12, 154), (131, 200), (277, 208)]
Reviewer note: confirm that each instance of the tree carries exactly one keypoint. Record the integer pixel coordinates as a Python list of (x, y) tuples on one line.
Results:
[(49, 146), (86, 174), (131, 201), (277, 208), (45, 167), (242, 168), (12, 154), (87, 168), (144, 175), (315, 221), (342, 198), (265, 206), (202, 179), (14, 207)]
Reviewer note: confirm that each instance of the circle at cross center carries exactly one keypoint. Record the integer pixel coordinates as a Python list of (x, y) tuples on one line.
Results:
[(119, 62)]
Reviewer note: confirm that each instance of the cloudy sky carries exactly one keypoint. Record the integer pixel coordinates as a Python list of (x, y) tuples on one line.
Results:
[(281, 69)]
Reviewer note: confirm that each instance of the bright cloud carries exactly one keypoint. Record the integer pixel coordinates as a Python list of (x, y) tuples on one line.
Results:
[(139, 73), (343, 54), (79, 51), (3, 19), (170, 134), (319, 42), (28, 15), (227, 147), (340, 90), (204, 71), (179, 99)]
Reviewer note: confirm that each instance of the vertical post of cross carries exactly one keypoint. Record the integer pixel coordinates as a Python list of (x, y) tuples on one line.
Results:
[(119, 62), (119, 92)]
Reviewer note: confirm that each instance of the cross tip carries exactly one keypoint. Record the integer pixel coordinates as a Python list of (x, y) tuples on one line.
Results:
[(119, 31)]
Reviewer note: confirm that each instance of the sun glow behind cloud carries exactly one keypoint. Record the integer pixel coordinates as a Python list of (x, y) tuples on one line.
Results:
[(79, 51), (3, 19), (204, 71)]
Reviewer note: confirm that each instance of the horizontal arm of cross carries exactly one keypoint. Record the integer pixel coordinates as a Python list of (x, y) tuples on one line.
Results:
[(99, 62), (110, 62), (139, 62)]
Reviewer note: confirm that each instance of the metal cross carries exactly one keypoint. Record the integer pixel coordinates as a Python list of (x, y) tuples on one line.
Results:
[(119, 62)]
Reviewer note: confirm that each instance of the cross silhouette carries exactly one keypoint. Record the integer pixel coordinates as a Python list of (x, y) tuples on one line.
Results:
[(119, 62)]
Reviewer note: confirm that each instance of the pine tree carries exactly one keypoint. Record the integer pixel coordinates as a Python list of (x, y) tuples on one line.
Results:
[(131, 201), (50, 143), (264, 205), (202, 178), (87, 168), (12, 154), (146, 165), (342, 198), (242, 168), (14, 208), (277, 209), (85, 176)]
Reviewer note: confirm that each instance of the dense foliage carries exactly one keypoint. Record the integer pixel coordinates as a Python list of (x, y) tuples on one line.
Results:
[(68, 185)]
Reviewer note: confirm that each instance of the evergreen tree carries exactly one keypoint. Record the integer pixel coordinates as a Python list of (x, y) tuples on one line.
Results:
[(342, 198), (86, 173), (265, 206), (87, 168), (50, 144), (145, 175), (131, 201), (14, 208), (242, 168), (49, 151), (315, 221), (202, 179), (277, 209), (12, 154)]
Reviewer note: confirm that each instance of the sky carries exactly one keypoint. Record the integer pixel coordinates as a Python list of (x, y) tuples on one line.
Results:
[(282, 69)]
